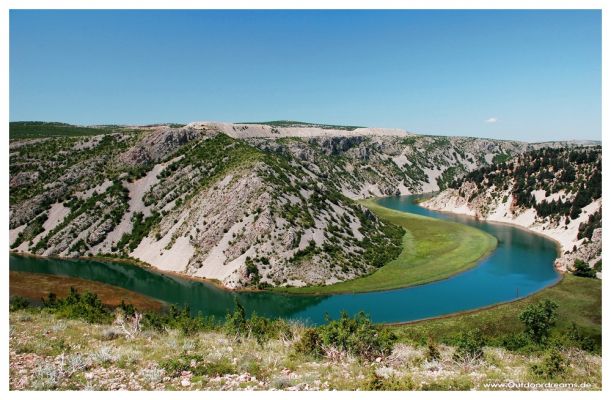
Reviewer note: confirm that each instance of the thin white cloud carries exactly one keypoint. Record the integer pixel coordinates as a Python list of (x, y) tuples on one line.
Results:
[(491, 120)]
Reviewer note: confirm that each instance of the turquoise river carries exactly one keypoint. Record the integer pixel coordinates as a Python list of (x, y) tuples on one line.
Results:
[(521, 265)]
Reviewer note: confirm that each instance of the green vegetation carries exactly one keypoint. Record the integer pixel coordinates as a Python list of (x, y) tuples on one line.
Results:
[(586, 229), (356, 336), (500, 158), (583, 269), (52, 165), (141, 228), (538, 319), (432, 249), (551, 366), (176, 318), (37, 129), (86, 307), (470, 346), (574, 170), (18, 303), (56, 348), (34, 228), (578, 320), (449, 175)]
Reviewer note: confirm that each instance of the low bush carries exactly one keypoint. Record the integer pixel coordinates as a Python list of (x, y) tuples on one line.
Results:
[(470, 346), (87, 307), (516, 342), (310, 343), (581, 340), (553, 365), (177, 318), (357, 336), (18, 303), (392, 383), (581, 268), (432, 351), (259, 328)]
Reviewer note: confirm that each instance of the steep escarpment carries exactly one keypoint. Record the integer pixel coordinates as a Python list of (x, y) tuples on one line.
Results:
[(244, 204), (194, 202), (554, 191), (365, 166)]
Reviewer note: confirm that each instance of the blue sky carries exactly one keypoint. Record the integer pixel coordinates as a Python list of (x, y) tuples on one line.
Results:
[(527, 75)]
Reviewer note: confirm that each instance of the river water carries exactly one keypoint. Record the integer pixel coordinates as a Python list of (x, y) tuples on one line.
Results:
[(521, 265)]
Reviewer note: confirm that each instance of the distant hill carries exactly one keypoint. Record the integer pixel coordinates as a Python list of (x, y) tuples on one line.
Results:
[(38, 129), (299, 124)]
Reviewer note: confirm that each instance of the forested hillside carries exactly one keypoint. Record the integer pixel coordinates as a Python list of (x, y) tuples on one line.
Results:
[(557, 191)]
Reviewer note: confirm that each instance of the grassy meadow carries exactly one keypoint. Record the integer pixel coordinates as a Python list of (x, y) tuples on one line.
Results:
[(433, 249)]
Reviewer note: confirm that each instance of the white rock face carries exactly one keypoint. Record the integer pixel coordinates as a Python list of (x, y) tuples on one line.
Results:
[(267, 193), (494, 209), (243, 131)]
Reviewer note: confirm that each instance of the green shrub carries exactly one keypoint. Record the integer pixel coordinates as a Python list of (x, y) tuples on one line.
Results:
[(235, 323), (18, 303), (310, 343), (252, 271), (260, 328), (580, 340), (552, 365), (470, 346), (177, 318), (357, 336), (174, 366), (432, 351), (583, 269), (87, 307), (219, 367), (516, 341), (538, 319), (598, 266), (393, 383)]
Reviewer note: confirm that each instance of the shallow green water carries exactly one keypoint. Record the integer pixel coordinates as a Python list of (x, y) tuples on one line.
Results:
[(521, 264)]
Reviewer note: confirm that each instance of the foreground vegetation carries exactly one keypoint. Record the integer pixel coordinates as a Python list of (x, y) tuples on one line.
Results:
[(77, 343), (579, 300), (433, 249)]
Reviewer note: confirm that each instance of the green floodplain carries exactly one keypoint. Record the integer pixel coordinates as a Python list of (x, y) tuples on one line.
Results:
[(433, 249)]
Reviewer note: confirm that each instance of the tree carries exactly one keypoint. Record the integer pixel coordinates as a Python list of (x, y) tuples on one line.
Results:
[(235, 323), (538, 319), (583, 269)]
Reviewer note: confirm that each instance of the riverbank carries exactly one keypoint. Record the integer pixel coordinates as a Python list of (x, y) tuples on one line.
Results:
[(433, 250), (35, 287), (565, 235), (579, 301), (136, 263)]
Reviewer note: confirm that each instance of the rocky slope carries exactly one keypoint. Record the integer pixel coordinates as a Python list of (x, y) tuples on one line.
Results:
[(191, 201), (245, 204), (555, 192)]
